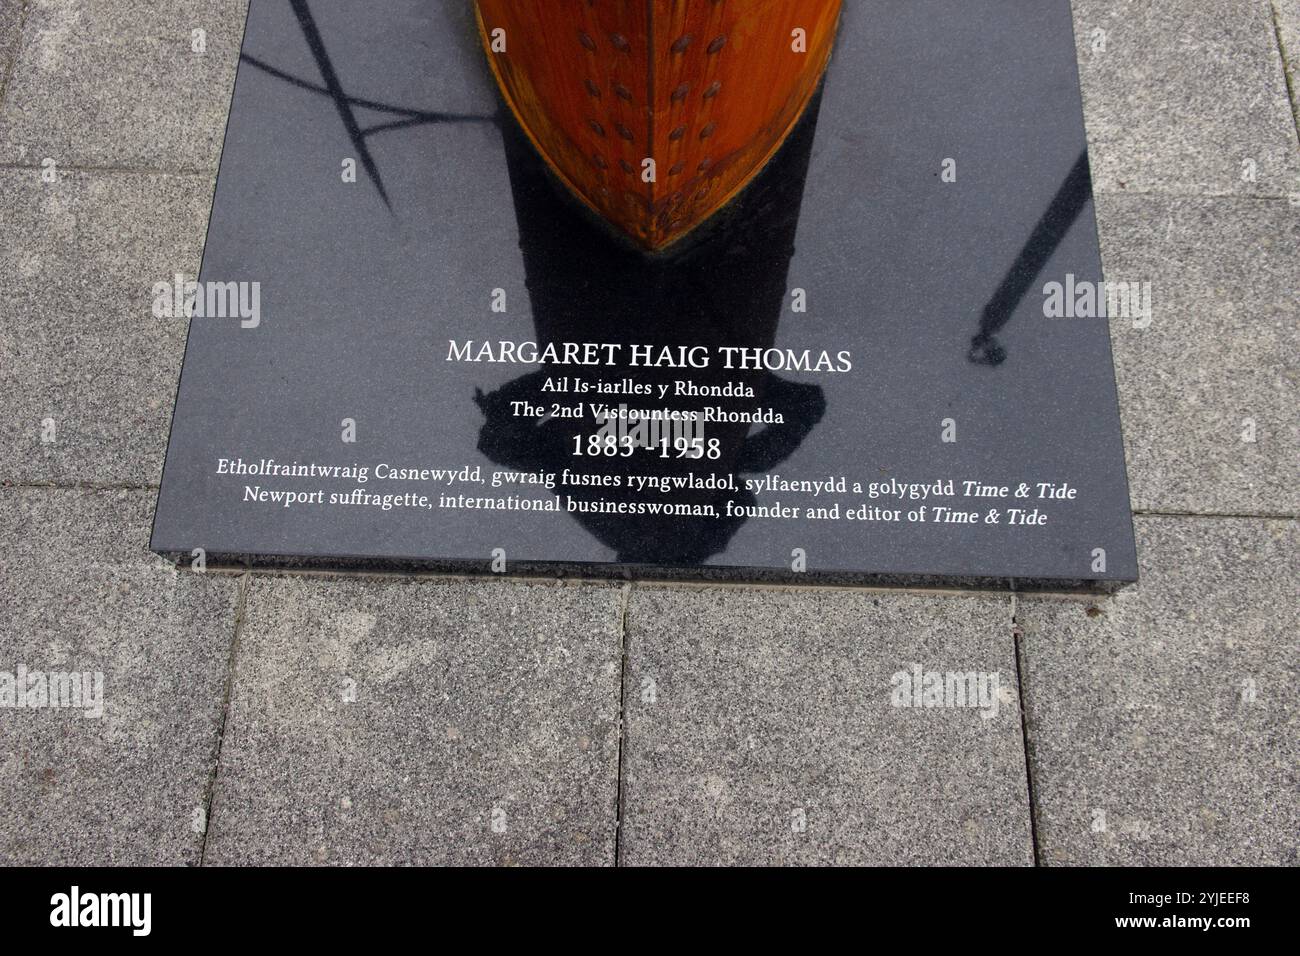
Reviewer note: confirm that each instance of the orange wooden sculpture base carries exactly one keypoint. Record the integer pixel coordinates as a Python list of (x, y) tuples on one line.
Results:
[(657, 112)]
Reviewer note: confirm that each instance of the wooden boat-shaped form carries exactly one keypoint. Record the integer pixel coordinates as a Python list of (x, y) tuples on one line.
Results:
[(656, 113)]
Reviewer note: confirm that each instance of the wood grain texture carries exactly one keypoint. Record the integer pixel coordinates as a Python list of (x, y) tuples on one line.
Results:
[(707, 89)]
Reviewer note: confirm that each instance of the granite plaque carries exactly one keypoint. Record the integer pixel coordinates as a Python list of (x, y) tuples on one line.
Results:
[(885, 359)]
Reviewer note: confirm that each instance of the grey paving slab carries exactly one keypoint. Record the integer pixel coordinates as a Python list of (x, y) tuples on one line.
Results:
[(399, 721), (88, 372), (120, 83), (1179, 95), (1209, 389), (762, 728), (82, 595), (11, 17), (1286, 18), (1163, 722)]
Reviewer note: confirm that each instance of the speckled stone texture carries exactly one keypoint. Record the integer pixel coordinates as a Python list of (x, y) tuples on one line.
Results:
[(762, 730), (1180, 96), (421, 722), (83, 358), (122, 83), (82, 594), (11, 18), (1163, 722), (1208, 388)]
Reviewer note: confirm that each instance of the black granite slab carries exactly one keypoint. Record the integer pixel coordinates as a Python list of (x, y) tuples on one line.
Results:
[(931, 292)]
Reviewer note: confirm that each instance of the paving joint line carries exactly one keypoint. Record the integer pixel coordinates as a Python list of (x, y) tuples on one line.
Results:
[(219, 745), (7, 76), (570, 580), (624, 605), (1016, 634), (75, 486), (1292, 98), (1159, 194), (118, 170)]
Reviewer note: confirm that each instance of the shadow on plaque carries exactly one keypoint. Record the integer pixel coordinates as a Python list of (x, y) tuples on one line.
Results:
[(725, 285)]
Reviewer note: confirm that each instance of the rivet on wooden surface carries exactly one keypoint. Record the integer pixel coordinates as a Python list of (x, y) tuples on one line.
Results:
[(586, 41), (717, 44)]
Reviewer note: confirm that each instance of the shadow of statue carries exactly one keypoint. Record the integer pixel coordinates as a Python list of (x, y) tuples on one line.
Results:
[(725, 285)]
